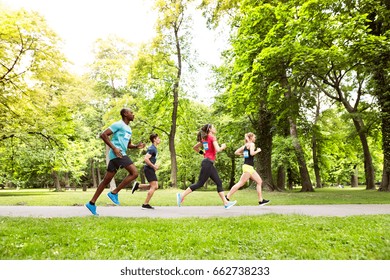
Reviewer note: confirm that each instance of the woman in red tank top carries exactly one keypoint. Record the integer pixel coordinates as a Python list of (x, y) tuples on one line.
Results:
[(210, 147)]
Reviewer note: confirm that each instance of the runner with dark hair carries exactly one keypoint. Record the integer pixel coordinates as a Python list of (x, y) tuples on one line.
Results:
[(120, 133), (206, 139), (150, 169)]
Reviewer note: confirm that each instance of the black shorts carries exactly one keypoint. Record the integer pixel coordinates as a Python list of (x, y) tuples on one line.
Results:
[(117, 163), (150, 173)]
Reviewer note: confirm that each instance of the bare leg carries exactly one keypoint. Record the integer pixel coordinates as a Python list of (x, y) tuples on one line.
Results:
[(244, 178), (133, 174), (185, 193), (103, 184), (222, 196), (256, 177), (144, 186), (153, 186)]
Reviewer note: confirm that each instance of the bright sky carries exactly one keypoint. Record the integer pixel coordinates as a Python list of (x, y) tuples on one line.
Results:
[(80, 22)]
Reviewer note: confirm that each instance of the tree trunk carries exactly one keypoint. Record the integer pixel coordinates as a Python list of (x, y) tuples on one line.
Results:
[(99, 175), (316, 165), (56, 180), (354, 177), (67, 185), (281, 178), (379, 26), (175, 102), (263, 128), (66, 181), (303, 171), (335, 82), (385, 105), (382, 91), (93, 173), (233, 172), (172, 134), (290, 180), (384, 102), (316, 162), (368, 165)]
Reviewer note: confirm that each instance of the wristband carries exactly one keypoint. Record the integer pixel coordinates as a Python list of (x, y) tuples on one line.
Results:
[(201, 152)]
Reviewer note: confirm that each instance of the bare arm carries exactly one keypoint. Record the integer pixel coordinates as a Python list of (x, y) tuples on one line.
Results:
[(219, 148), (197, 146), (148, 162), (106, 138), (140, 145), (252, 150), (239, 151)]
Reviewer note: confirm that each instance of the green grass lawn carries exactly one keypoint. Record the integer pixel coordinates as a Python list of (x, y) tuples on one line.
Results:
[(266, 237), (46, 197)]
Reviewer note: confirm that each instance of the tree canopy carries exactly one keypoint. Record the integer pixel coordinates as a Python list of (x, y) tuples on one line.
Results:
[(308, 77)]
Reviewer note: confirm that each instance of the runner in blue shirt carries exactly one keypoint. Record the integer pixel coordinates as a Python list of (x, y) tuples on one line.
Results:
[(150, 169), (120, 141)]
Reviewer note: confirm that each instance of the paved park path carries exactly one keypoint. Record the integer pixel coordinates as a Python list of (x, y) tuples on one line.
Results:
[(195, 211)]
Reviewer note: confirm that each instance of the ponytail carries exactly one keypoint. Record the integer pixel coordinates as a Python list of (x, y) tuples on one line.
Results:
[(248, 136), (199, 136), (203, 132)]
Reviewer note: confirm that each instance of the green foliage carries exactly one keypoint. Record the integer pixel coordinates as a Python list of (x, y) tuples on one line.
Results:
[(283, 53), (35, 88), (50, 119), (113, 57)]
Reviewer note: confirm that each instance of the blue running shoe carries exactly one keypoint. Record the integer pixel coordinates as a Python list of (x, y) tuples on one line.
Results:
[(230, 204), (92, 208), (178, 198), (113, 197)]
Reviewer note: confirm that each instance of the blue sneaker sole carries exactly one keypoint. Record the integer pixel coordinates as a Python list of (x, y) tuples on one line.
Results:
[(93, 213), (116, 203), (230, 204)]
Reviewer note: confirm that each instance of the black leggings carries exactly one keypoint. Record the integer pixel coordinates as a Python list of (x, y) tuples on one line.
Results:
[(208, 171)]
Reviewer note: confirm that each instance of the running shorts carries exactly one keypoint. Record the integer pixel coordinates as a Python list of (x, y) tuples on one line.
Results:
[(117, 163), (150, 173), (248, 168)]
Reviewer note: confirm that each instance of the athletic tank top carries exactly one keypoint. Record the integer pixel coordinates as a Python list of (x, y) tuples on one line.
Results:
[(208, 146), (248, 159)]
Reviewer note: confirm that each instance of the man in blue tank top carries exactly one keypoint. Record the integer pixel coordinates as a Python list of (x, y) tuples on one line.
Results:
[(120, 133)]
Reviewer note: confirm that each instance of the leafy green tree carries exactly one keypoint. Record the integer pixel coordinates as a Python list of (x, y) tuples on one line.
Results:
[(165, 60), (332, 29), (113, 57), (377, 56), (32, 79), (260, 78), (281, 49)]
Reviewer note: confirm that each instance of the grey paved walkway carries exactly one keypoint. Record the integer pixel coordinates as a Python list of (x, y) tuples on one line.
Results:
[(195, 211)]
